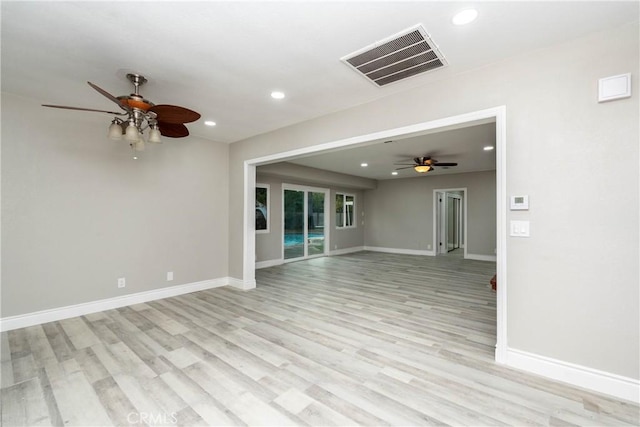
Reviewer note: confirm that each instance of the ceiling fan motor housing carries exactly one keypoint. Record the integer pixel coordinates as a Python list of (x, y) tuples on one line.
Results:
[(136, 101)]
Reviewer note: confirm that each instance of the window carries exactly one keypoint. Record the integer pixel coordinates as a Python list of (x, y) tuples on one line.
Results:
[(345, 210), (262, 208)]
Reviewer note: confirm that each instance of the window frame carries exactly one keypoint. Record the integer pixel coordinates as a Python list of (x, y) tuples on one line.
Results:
[(267, 207), (344, 216)]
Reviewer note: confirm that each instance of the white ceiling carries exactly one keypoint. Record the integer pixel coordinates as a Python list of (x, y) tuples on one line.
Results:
[(464, 146), (223, 59)]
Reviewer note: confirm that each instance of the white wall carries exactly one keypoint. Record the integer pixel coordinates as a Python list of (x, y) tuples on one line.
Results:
[(400, 212), (78, 212), (573, 291)]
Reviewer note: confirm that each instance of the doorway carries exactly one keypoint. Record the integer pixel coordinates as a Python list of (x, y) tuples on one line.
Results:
[(495, 114), (450, 225), (304, 210)]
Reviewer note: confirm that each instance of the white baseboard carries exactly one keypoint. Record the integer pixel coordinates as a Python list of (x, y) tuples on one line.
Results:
[(55, 314), (245, 285), (581, 376), (345, 251), (478, 257), (269, 263), (400, 251)]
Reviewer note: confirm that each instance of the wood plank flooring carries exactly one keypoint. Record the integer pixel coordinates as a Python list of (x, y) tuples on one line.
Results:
[(362, 339)]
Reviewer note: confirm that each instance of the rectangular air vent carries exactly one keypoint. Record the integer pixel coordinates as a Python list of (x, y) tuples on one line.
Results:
[(398, 57)]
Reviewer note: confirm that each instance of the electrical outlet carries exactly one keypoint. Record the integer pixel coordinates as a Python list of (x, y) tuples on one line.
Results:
[(169, 276), (428, 247), (122, 282)]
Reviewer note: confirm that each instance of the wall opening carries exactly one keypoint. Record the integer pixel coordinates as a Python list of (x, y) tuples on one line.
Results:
[(496, 114)]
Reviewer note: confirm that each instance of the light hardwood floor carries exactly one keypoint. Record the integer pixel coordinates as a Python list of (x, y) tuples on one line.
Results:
[(360, 339)]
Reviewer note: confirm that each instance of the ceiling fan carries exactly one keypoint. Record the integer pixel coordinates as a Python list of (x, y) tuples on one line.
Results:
[(424, 164), (139, 114)]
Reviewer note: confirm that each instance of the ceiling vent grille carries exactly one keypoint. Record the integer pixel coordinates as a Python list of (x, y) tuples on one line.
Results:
[(398, 57)]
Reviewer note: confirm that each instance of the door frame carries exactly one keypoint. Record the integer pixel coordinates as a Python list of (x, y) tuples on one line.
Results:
[(494, 114), (440, 227), (307, 189)]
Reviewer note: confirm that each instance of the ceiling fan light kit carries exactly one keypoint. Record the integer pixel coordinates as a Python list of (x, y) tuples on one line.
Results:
[(132, 134), (424, 164), (154, 136), (141, 114), (115, 130)]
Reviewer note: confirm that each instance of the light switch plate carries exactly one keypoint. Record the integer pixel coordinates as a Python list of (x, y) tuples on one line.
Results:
[(520, 228)]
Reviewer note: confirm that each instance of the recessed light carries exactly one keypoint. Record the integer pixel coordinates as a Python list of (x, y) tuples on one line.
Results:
[(364, 165), (210, 123), (488, 148), (464, 17), (394, 173), (277, 95)]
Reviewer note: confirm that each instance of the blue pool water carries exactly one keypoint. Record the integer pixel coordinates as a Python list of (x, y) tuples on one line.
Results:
[(292, 239)]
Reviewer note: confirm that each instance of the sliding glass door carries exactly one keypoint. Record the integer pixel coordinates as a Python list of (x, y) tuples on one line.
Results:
[(304, 213), (315, 223), (293, 224)]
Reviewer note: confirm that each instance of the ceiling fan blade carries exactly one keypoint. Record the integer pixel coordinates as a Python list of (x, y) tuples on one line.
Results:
[(173, 130), (444, 164), (174, 114), (111, 97), (82, 109), (404, 164), (408, 167)]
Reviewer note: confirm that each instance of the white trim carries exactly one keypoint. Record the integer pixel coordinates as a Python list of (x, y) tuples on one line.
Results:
[(345, 251), (501, 233), (269, 263), (400, 251), (581, 376), (489, 113), (55, 314), (249, 219), (245, 285), (498, 114), (298, 187), (479, 257)]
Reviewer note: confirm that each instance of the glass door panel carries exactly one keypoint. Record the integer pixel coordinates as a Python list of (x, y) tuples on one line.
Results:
[(315, 223), (294, 228), (453, 223)]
